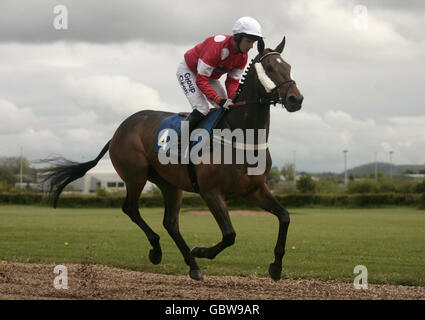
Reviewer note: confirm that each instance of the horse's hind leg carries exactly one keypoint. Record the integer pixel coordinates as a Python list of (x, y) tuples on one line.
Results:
[(173, 201), (131, 208)]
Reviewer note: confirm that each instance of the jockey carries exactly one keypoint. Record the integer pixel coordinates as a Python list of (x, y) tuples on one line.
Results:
[(203, 65)]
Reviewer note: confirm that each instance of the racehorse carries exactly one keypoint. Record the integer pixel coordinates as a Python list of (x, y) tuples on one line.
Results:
[(131, 150)]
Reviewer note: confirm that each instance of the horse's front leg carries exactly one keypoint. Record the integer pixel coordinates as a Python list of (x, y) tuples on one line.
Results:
[(265, 200), (218, 208)]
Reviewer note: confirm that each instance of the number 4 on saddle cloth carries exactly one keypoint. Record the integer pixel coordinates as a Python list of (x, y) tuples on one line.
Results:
[(169, 128), (167, 135)]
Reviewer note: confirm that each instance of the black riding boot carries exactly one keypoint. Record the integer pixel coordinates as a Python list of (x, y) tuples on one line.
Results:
[(193, 118)]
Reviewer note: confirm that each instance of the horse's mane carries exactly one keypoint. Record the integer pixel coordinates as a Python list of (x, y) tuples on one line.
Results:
[(242, 83)]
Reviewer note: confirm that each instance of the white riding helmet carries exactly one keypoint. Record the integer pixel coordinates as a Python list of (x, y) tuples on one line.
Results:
[(248, 26)]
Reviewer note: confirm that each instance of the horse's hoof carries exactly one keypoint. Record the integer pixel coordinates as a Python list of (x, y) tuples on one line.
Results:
[(275, 272), (155, 256), (197, 252), (196, 275)]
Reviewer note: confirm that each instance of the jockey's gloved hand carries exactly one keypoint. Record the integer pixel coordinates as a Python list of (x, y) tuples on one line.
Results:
[(225, 103)]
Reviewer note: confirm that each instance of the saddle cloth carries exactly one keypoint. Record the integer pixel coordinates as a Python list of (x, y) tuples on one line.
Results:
[(164, 140)]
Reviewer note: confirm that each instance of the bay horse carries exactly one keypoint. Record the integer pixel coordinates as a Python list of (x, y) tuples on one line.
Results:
[(131, 150)]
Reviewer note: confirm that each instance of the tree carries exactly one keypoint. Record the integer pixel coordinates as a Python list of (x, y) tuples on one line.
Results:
[(306, 184), (420, 187), (13, 164), (362, 186), (326, 185), (273, 178), (7, 176), (288, 171)]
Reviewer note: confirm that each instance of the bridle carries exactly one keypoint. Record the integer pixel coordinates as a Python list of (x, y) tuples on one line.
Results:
[(272, 99), (276, 89)]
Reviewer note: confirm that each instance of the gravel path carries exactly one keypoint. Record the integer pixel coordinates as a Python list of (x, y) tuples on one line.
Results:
[(87, 281)]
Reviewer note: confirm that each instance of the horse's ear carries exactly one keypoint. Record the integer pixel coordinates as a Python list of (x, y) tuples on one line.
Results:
[(281, 45), (260, 46)]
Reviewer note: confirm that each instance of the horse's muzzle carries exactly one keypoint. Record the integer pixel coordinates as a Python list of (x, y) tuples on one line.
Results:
[(293, 102)]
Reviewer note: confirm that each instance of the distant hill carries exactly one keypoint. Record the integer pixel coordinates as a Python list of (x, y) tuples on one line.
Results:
[(398, 170)]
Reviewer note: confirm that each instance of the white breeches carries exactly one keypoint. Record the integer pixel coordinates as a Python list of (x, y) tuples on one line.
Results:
[(187, 80)]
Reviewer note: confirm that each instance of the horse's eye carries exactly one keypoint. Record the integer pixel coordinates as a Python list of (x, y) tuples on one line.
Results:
[(269, 69)]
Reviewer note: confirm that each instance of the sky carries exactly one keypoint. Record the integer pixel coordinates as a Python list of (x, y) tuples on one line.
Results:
[(359, 64)]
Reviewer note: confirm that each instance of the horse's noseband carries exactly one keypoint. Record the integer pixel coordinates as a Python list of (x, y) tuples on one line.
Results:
[(275, 90), (280, 99)]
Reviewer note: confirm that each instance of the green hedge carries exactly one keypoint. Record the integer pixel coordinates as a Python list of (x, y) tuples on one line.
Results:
[(25, 198), (195, 201), (422, 202), (350, 200)]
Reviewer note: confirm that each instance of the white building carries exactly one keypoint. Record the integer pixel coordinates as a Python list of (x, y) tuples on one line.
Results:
[(103, 175), (415, 175)]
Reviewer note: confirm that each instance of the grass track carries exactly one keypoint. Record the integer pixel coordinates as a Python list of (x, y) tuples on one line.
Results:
[(323, 243)]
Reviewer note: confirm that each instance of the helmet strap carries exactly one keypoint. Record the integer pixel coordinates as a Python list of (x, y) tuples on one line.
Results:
[(237, 38)]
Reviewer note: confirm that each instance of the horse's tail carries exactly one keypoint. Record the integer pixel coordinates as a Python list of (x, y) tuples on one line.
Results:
[(64, 172)]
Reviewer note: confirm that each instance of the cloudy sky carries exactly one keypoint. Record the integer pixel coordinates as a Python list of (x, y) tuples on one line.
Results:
[(359, 64)]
